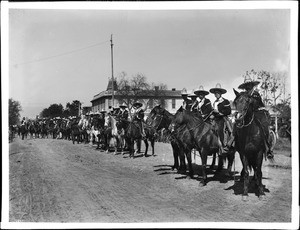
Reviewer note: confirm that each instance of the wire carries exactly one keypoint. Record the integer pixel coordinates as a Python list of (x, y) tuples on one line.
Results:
[(59, 55)]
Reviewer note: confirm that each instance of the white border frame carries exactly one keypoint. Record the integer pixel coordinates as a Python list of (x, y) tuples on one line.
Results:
[(293, 6)]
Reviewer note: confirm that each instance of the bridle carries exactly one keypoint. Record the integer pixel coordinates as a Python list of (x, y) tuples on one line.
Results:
[(242, 118)]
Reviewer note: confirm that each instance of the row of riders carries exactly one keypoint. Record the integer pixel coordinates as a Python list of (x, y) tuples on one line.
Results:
[(204, 126), (198, 125), (94, 127)]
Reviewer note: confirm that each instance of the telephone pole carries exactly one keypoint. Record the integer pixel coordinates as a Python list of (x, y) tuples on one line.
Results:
[(112, 71)]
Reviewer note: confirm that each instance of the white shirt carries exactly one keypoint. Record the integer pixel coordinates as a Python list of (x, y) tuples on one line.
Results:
[(217, 102)]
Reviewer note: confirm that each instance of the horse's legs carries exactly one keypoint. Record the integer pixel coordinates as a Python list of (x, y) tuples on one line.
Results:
[(213, 161), (138, 145), (245, 176), (182, 166), (175, 155), (152, 145), (146, 146), (189, 160), (203, 154), (230, 158), (259, 174)]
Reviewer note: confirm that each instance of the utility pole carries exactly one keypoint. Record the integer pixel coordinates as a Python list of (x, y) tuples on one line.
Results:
[(112, 71)]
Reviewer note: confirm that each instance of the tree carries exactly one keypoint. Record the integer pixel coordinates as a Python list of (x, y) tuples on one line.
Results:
[(138, 89), (271, 86), (14, 109), (54, 110), (72, 108)]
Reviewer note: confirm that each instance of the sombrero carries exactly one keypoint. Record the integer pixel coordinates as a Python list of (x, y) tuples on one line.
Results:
[(218, 89), (123, 105), (192, 94), (248, 83), (137, 104), (184, 92), (201, 91)]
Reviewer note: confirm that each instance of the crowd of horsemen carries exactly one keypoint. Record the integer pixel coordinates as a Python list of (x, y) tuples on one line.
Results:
[(91, 124)]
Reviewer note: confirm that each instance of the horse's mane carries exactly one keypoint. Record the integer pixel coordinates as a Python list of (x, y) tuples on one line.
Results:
[(191, 115)]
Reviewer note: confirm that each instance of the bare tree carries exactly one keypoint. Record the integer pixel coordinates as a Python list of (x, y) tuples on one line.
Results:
[(137, 88), (270, 87)]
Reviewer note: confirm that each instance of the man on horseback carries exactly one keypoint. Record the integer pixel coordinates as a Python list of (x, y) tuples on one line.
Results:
[(187, 103), (204, 106), (194, 102), (221, 110), (262, 116), (23, 122), (138, 117), (123, 113)]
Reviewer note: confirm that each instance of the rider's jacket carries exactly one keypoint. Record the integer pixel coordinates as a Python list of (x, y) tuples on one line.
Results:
[(204, 107), (187, 104), (194, 106), (222, 106), (123, 115), (257, 100), (138, 115)]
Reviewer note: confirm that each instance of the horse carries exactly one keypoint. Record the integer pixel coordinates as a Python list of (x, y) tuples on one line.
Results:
[(131, 133), (160, 119), (112, 137), (193, 132), (249, 139), (24, 130), (75, 132)]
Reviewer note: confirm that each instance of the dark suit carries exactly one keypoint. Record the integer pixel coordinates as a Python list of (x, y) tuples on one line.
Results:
[(123, 115), (204, 107), (187, 104), (223, 108)]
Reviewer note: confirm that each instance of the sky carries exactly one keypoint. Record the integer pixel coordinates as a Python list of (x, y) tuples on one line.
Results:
[(61, 55)]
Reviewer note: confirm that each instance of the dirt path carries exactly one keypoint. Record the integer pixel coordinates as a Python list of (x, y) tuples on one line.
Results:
[(56, 181)]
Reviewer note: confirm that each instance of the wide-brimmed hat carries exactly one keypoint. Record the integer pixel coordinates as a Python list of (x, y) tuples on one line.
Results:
[(123, 105), (184, 91), (248, 83), (201, 91), (137, 104), (102, 111), (192, 94), (218, 89)]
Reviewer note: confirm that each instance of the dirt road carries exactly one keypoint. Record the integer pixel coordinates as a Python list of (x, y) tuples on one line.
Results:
[(56, 181)]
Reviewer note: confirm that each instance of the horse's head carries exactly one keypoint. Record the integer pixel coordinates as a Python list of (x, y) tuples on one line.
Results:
[(243, 103), (179, 119), (158, 118)]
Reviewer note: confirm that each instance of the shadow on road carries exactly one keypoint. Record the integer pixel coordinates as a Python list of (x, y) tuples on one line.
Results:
[(238, 185), (222, 176)]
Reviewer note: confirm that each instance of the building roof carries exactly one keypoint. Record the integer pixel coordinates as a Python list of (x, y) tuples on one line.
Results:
[(145, 93), (109, 86)]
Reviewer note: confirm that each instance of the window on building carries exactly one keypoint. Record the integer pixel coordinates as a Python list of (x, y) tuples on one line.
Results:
[(173, 103)]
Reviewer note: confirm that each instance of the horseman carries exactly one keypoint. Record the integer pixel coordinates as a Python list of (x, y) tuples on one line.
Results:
[(194, 102), (221, 110), (204, 106), (138, 117), (23, 122), (262, 116), (123, 113), (187, 103)]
